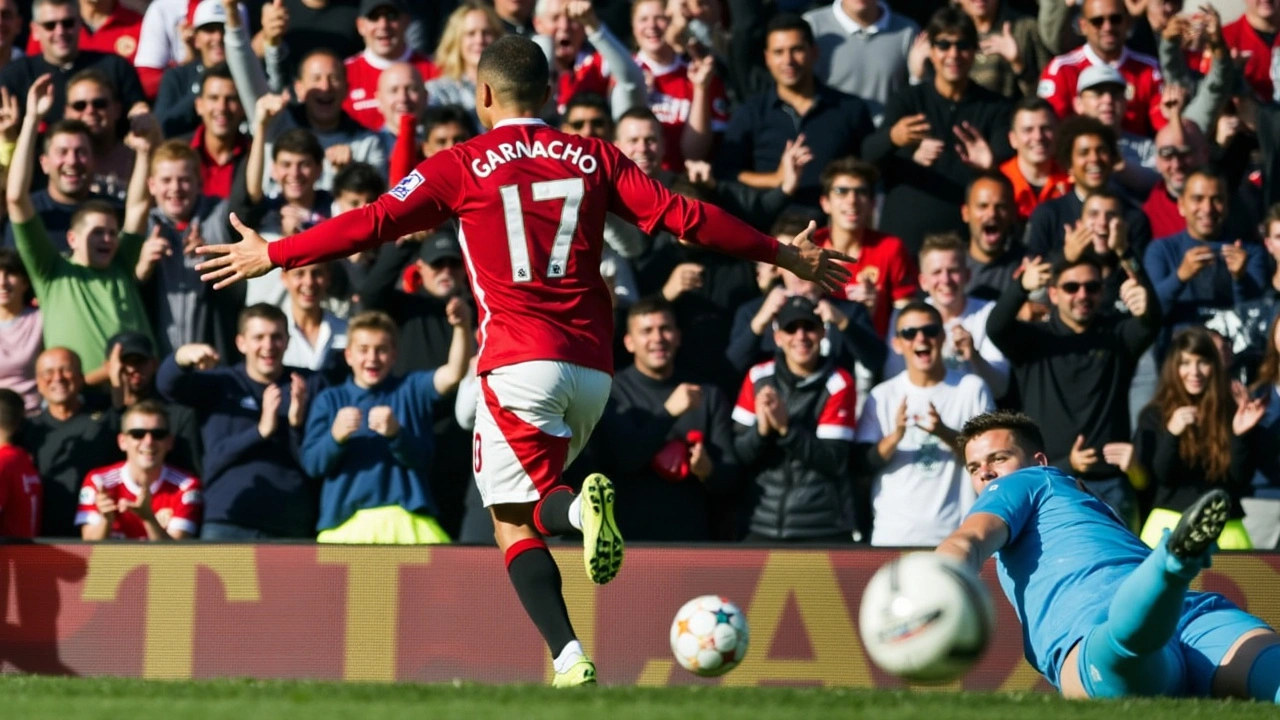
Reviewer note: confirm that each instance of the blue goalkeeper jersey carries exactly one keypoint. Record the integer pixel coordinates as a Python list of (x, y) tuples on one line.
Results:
[(1067, 553)]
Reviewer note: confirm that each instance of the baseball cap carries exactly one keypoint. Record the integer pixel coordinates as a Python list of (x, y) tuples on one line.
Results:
[(209, 12), (1096, 75), (132, 343), (438, 247), (798, 308), (368, 6)]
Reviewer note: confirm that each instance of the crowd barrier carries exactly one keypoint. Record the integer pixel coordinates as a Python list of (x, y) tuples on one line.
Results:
[(436, 614)]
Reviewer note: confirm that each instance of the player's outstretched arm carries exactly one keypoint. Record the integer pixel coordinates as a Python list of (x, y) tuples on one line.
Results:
[(978, 538), (232, 263), (813, 263)]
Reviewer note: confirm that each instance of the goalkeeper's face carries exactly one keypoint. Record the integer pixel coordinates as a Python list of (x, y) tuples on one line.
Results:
[(994, 454)]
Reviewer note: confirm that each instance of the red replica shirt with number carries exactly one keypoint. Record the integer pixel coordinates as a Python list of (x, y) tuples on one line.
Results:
[(835, 418), (1143, 83), (175, 499), (671, 100), (884, 260), (363, 71), (21, 495), (531, 203)]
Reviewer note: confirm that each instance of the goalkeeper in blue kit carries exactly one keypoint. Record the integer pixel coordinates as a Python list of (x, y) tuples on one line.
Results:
[(1102, 615)]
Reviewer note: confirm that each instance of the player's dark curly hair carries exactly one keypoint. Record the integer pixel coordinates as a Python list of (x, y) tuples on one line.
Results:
[(1025, 431)]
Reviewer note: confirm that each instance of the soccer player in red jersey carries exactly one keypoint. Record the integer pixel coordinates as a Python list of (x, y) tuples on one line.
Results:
[(21, 495), (531, 201)]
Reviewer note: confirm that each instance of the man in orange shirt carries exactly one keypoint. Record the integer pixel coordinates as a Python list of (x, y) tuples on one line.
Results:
[(1034, 173)]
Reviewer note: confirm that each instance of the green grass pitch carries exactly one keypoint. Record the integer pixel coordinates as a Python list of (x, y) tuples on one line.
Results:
[(41, 698)]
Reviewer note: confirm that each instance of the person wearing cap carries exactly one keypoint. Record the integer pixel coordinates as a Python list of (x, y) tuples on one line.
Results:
[(793, 432), (1101, 95), (181, 84), (907, 433), (382, 24), (132, 362)]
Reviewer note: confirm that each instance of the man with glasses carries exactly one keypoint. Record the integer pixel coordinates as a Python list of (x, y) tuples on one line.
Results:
[(1101, 95), (141, 498), (907, 435), (106, 26), (1105, 24), (1074, 371), (1180, 148), (793, 426), (56, 24), (91, 99)]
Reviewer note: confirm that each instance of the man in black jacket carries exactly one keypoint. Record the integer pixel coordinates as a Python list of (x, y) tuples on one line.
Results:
[(1074, 371), (180, 84), (669, 443), (793, 434)]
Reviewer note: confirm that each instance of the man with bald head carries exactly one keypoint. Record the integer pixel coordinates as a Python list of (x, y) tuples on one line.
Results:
[(66, 439), (400, 92), (1180, 149)]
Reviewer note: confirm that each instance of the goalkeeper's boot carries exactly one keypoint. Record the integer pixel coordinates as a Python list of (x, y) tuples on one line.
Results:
[(582, 672), (602, 543), (1200, 525)]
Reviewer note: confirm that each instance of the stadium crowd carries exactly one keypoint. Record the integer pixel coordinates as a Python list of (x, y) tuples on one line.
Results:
[(1066, 207)]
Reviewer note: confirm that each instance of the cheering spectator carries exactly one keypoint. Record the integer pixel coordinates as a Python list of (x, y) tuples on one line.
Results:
[(370, 440), (21, 495), (67, 160), (167, 36), (1192, 438), (1252, 40), (1012, 51), (316, 336), (55, 24), (793, 426), (687, 97), (256, 77), (222, 147), (863, 48), (141, 498), (251, 419), (444, 127), (564, 27), (131, 370), (668, 443), (382, 24), (1262, 510), (937, 135), (907, 433), (400, 94), (92, 100), (106, 26), (182, 84), (965, 347), (93, 293), (1101, 95), (587, 114), (797, 109), (1179, 148), (1033, 170), (994, 255), (1186, 40), (67, 439), (1105, 24), (470, 29), (21, 330), (1149, 23)]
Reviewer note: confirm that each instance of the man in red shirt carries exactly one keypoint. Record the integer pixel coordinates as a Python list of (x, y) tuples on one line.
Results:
[(1105, 24), (106, 26), (1254, 39), (21, 495), (382, 24), (602, 66), (218, 140), (141, 498), (883, 274), (1180, 149), (531, 203)]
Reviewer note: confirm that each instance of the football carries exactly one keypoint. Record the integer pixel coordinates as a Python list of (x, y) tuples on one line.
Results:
[(925, 618), (709, 636)]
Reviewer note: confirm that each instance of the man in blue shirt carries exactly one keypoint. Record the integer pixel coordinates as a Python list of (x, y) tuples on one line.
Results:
[(1102, 615), (370, 441)]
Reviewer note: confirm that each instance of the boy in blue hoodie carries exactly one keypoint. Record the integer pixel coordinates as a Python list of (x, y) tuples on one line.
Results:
[(370, 440)]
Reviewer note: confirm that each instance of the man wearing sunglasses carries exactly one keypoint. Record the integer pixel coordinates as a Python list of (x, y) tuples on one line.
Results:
[(1105, 24), (141, 498), (907, 435), (1180, 148)]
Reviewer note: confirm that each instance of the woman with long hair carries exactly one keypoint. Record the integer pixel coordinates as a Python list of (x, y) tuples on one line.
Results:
[(1196, 434), (21, 330), (470, 29), (1262, 510)]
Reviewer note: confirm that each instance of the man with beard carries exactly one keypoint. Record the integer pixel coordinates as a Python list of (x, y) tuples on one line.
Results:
[(1179, 148), (1074, 371), (907, 436), (1033, 170), (994, 256)]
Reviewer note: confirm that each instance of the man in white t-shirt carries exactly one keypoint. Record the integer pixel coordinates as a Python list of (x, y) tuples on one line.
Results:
[(944, 275), (906, 437)]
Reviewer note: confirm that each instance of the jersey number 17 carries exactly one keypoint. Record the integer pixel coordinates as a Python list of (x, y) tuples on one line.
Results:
[(571, 191)]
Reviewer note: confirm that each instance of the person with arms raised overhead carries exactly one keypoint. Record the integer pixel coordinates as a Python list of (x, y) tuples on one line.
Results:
[(531, 201)]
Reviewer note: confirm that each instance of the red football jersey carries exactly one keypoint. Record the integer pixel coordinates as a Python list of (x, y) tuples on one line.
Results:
[(836, 418), (1261, 63), (363, 71), (531, 202), (1141, 72), (588, 75), (883, 259), (21, 495), (671, 98), (175, 499)]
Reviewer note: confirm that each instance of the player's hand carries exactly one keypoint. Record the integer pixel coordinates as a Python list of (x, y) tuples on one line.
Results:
[(684, 398), (909, 130), (458, 312), (1236, 258), (810, 262), (382, 420), (297, 400), (106, 506), (272, 399), (1182, 418), (346, 423), (196, 355), (700, 461), (963, 341), (928, 152), (1035, 273), (1118, 454), (1135, 297), (40, 97), (1196, 258), (1082, 458), (1247, 415), (232, 263), (684, 278), (973, 148)]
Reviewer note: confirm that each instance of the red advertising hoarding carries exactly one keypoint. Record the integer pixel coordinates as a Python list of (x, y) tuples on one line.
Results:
[(433, 614)]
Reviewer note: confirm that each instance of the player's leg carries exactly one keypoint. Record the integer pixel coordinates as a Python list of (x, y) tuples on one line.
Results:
[(1251, 668), (601, 539), (1229, 652)]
